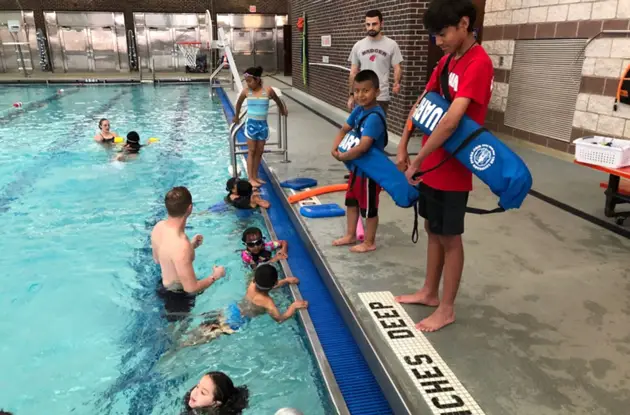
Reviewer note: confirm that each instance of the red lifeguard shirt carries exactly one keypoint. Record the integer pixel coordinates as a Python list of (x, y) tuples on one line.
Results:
[(471, 76)]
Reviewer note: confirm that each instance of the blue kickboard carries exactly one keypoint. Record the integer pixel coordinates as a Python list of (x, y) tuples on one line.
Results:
[(328, 210), (299, 183)]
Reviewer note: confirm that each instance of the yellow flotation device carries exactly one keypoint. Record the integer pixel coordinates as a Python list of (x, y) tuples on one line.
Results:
[(153, 140), (119, 140)]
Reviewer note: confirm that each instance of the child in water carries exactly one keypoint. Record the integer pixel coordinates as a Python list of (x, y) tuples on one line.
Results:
[(242, 196), (256, 302), (256, 129), (132, 147), (216, 394), (257, 251)]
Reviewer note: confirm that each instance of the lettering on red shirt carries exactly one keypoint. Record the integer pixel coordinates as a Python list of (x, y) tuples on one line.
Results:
[(471, 76)]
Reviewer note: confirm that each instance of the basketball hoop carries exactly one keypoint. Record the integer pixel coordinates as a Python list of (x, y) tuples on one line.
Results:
[(190, 51)]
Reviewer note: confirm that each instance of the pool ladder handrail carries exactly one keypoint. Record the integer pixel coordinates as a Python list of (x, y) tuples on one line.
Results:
[(281, 143)]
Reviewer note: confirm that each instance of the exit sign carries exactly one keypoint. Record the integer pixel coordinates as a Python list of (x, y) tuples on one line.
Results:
[(252, 9)]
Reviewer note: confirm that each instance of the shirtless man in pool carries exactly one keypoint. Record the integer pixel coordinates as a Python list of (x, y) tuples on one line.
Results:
[(175, 253)]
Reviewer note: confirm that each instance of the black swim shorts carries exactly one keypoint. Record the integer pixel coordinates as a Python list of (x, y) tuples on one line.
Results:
[(177, 304), (444, 210)]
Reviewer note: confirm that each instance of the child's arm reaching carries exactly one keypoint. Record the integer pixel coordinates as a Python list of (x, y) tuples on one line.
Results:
[(286, 281), (281, 107), (272, 310), (258, 201), (239, 104)]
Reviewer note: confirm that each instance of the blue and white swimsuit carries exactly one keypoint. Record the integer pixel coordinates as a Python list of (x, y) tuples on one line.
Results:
[(256, 127)]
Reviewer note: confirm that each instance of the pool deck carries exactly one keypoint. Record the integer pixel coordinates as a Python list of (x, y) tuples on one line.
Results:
[(543, 312)]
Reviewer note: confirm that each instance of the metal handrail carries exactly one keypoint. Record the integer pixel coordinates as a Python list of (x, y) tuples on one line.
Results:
[(329, 65), (282, 143)]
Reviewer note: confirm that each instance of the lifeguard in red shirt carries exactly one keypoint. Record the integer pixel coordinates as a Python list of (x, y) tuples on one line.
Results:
[(444, 191)]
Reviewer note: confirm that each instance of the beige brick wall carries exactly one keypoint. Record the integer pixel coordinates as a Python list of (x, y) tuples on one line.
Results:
[(502, 12), (604, 57)]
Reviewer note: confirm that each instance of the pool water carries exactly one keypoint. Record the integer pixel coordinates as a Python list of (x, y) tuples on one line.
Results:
[(80, 322)]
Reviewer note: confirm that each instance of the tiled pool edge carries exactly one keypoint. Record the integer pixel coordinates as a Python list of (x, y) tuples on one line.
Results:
[(354, 370)]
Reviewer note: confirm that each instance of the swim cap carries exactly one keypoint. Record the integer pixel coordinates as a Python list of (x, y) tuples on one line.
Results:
[(265, 277), (133, 138), (231, 183), (288, 411)]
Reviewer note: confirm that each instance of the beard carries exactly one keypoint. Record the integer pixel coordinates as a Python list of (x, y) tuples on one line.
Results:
[(373, 33)]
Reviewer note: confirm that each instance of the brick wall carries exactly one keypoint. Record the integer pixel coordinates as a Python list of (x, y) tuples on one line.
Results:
[(344, 21), (506, 21)]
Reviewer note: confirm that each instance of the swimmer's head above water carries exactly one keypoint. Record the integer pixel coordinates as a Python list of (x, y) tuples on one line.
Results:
[(133, 142), (253, 240), (265, 277), (216, 392), (104, 125), (178, 202), (239, 187), (253, 77)]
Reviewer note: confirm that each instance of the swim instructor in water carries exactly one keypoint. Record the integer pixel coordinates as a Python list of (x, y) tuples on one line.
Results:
[(105, 136), (175, 254)]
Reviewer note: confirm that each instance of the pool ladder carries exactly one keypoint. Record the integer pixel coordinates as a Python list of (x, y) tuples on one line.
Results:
[(281, 143)]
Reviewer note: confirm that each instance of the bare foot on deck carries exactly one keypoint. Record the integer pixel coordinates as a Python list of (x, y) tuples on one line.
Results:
[(421, 297), (261, 181), (255, 183), (363, 248), (346, 240), (440, 318)]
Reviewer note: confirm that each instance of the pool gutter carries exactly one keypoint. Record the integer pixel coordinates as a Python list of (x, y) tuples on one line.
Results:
[(332, 387), (334, 392), (377, 366)]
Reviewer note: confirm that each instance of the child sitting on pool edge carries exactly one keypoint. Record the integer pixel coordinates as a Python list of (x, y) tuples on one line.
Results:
[(257, 251), (256, 302), (241, 195)]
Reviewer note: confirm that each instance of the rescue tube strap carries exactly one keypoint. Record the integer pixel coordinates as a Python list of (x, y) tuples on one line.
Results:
[(464, 143)]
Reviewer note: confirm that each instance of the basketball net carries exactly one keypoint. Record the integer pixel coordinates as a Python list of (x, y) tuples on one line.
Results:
[(190, 50)]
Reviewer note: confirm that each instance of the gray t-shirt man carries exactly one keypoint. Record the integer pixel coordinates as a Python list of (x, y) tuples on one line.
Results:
[(379, 55)]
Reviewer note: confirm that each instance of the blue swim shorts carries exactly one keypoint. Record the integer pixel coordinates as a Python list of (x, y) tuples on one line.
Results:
[(257, 130)]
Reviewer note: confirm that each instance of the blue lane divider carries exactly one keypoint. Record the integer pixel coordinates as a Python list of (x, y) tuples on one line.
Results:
[(356, 381), (13, 113)]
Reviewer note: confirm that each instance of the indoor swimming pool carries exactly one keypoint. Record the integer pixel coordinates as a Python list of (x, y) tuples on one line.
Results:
[(80, 322)]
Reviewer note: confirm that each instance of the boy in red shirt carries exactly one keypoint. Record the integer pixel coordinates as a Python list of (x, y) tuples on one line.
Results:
[(444, 191)]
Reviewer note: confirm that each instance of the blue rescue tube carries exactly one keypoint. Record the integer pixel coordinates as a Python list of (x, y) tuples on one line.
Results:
[(328, 210), (486, 156), (299, 183), (376, 165)]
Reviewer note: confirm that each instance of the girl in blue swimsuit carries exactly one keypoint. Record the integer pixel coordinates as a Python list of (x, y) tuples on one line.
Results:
[(256, 129)]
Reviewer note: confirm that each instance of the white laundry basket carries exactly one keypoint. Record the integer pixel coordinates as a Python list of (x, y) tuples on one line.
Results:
[(592, 150)]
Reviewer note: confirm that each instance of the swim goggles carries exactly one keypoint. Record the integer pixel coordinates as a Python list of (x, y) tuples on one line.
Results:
[(255, 243)]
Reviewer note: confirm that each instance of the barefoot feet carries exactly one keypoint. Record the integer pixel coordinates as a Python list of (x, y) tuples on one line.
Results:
[(346, 240), (422, 297), (442, 317), (363, 248)]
